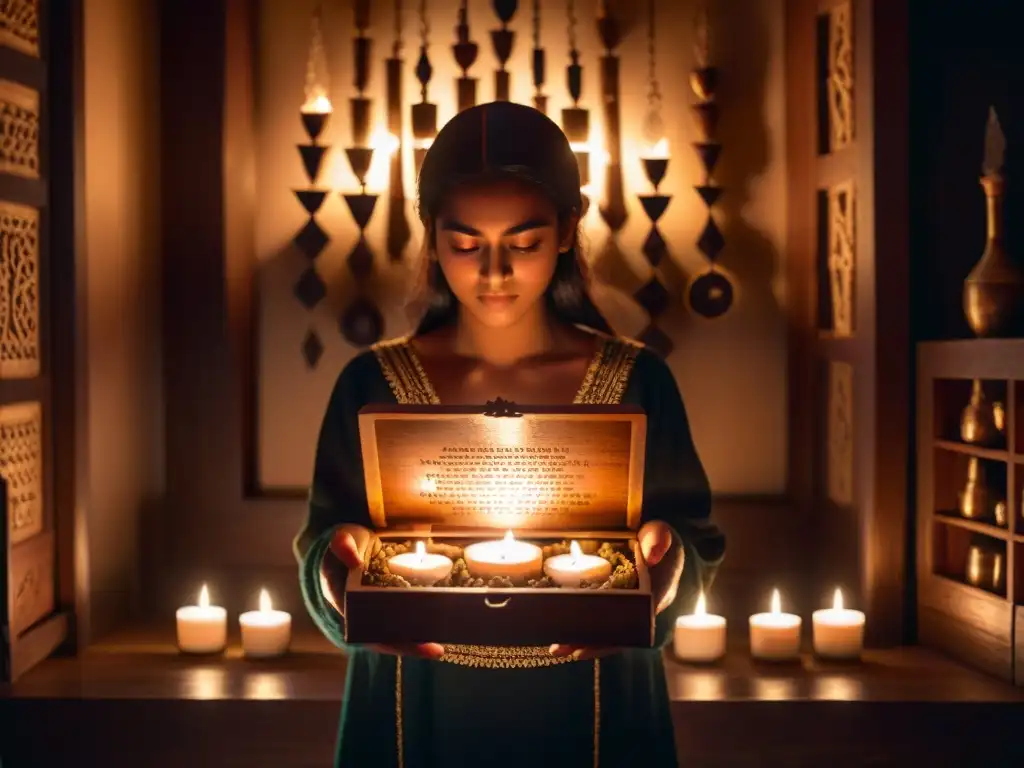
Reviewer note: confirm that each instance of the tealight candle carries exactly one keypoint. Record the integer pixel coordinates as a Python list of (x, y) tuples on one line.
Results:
[(569, 570), (838, 631), (420, 567), (516, 560), (775, 636), (202, 628), (266, 632), (700, 637)]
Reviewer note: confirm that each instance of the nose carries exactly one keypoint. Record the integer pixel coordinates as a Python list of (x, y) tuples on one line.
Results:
[(495, 265)]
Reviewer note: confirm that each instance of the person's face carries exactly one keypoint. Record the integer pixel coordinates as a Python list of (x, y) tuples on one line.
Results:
[(497, 245)]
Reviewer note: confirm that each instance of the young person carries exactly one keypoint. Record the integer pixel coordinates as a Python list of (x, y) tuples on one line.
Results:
[(505, 312)]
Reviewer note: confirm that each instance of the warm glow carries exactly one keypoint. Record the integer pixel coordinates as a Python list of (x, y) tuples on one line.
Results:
[(702, 606), (318, 104), (383, 141), (659, 150), (204, 597), (509, 536), (421, 550), (575, 551), (776, 602), (837, 600), (265, 604)]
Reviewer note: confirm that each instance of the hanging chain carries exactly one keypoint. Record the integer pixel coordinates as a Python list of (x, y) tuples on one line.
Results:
[(396, 46), (424, 26), (702, 35), (316, 65), (571, 12), (653, 88), (536, 24)]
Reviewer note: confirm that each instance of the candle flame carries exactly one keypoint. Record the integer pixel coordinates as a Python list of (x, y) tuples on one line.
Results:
[(776, 602), (658, 150), (318, 105), (509, 536), (575, 551), (204, 597), (384, 141), (421, 550), (702, 605), (265, 604), (837, 600)]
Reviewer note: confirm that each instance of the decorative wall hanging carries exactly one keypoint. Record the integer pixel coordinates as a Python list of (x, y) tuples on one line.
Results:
[(424, 114), (575, 119), (994, 289), (711, 293), (465, 51), (502, 40), (311, 239), (613, 206), (361, 323), (653, 296), (398, 225), (540, 101)]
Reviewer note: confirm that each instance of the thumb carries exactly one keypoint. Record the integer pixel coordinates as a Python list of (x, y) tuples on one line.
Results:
[(655, 540), (343, 546)]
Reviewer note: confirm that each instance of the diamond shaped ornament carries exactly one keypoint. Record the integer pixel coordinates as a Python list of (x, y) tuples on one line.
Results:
[(711, 241), (311, 240), (653, 297), (657, 340), (312, 348), (654, 247), (310, 289), (360, 260)]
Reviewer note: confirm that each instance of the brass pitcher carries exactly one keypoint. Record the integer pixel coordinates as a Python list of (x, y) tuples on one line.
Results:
[(981, 420), (985, 566), (974, 496)]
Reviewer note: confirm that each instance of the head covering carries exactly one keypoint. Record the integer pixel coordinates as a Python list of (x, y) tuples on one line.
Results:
[(503, 139)]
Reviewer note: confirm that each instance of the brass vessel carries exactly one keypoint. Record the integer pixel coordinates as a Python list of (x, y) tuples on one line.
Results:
[(982, 421), (974, 497), (986, 567)]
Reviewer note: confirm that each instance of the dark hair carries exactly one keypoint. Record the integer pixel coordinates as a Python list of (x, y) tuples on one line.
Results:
[(503, 140)]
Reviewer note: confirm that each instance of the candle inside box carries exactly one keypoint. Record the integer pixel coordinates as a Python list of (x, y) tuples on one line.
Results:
[(569, 570), (202, 628), (509, 558), (838, 631), (266, 632), (775, 636), (420, 567), (700, 637)]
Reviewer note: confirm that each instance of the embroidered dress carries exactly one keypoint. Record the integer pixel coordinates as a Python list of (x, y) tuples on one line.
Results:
[(491, 706)]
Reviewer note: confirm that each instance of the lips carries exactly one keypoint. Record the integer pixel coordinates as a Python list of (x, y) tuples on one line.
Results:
[(497, 299)]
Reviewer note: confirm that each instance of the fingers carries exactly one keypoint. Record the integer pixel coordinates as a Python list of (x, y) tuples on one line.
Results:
[(655, 540), (343, 547), (580, 653), (433, 651)]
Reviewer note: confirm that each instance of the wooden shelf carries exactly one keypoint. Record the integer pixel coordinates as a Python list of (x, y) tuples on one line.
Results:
[(988, 529), (992, 454)]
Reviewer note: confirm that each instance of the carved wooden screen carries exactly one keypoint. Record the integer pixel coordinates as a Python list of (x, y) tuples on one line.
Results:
[(32, 628), (846, 124)]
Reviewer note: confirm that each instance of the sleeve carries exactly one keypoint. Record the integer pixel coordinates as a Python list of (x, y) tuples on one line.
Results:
[(676, 491), (337, 496)]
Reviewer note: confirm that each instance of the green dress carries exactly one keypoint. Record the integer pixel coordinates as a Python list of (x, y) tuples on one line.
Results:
[(492, 707)]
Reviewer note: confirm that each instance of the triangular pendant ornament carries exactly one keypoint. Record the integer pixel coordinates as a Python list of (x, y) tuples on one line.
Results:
[(361, 207), (709, 194), (654, 205), (310, 289), (311, 199), (654, 247), (711, 241), (653, 297), (709, 152), (314, 123), (311, 240), (360, 260), (312, 349), (312, 158)]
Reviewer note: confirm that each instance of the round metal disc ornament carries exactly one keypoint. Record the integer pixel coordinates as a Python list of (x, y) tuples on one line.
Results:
[(362, 323), (711, 295)]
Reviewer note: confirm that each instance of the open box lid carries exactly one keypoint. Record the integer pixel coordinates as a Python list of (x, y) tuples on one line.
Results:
[(504, 466)]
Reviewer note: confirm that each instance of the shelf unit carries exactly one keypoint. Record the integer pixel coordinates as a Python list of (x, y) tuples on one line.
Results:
[(970, 567)]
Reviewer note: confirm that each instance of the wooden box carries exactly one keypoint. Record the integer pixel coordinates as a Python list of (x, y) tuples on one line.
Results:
[(458, 475)]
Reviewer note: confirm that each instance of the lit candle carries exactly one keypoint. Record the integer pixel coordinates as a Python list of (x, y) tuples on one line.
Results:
[(317, 104), (266, 632), (775, 636), (202, 628), (569, 570), (700, 637), (516, 560), (838, 631), (420, 567)]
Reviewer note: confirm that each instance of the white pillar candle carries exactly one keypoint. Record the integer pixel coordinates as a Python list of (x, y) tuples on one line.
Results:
[(569, 570), (266, 632), (516, 560), (838, 631), (202, 628), (421, 568), (775, 636), (700, 637)]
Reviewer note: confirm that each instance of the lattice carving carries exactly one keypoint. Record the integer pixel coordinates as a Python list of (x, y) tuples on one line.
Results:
[(21, 466), (19, 25), (19, 130), (841, 256), (19, 291), (840, 76), (839, 482)]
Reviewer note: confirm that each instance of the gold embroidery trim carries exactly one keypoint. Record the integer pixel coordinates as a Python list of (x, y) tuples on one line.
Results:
[(604, 383)]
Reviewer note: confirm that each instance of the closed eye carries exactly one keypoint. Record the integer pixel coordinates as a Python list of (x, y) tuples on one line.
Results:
[(525, 248), (465, 249)]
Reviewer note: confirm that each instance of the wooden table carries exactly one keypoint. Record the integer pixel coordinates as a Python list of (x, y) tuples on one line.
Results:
[(133, 701)]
